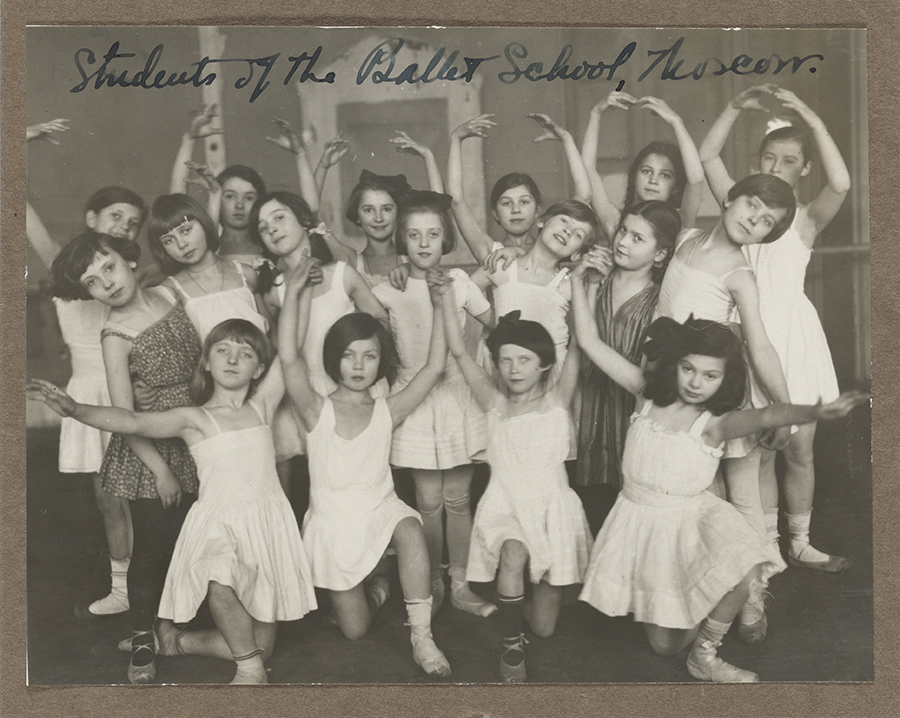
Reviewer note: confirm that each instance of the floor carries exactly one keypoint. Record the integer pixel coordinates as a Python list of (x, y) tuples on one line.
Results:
[(820, 625)]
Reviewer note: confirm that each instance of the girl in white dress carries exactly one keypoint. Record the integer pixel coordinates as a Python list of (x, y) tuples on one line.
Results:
[(439, 438), (528, 515), (239, 545), (789, 317), (673, 554), (354, 513)]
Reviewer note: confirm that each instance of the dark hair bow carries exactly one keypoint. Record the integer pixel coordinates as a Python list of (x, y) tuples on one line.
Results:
[(395, 183), (426, 198)]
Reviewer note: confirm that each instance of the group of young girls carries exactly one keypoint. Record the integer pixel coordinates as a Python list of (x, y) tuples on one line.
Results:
[(689, 346)]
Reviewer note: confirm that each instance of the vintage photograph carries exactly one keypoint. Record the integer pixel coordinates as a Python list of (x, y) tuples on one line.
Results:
[(387, 355)]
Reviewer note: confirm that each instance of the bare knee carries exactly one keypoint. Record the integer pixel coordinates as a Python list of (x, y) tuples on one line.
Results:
[(666, 641), (513, 555)]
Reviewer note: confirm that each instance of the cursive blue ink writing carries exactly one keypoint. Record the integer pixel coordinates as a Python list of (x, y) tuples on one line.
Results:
[(382, 56), (105, 76), (561, 68), (307, 73), (737, 66)]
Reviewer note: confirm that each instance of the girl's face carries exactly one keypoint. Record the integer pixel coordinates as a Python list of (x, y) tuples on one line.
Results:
[(784, 159), (699, 377), (520, 368), (185, 243), (423, 235), (748, 220), (564, 235), (377, 214), (655, 178), (120, 220), (280, 231), (516, 210), (635, 245), (359, 364), (110, 279), (233, 364), (238, 197)]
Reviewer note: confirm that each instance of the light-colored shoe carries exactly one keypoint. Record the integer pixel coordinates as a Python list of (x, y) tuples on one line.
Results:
[(754, 624), (704, 665), (144, 673), (465, 599), (512, 669)]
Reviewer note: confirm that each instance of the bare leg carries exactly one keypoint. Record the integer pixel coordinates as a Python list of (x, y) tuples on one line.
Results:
[(116, 521), (543, 610), (742, 481), (237, 629), (430, 504), (353, 611), (669, 641)]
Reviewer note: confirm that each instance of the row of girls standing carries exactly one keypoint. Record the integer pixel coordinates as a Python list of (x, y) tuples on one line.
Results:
[(529, 278)]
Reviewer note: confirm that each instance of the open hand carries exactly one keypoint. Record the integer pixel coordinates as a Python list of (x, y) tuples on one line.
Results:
[(619, 100), (843, 405), (404, 143), (660, 108), (476, 127), (168, 489), (288, 138), (44, 131), (334, 151), (201, 122), (751, 98), (51, 395), (552, 131)]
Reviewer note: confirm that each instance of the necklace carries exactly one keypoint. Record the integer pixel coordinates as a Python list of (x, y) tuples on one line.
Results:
[(204, 289)]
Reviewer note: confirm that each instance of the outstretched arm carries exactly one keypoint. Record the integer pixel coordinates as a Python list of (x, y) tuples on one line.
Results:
[(35, 229), (404, 402), (693, 168), (553, 131), (290, 140), (201, 126), (478, 241), (404, 143), (822, 209), (607, 212), (332, 153)]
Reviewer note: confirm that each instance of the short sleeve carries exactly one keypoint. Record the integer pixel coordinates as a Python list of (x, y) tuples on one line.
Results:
[(474, 302)]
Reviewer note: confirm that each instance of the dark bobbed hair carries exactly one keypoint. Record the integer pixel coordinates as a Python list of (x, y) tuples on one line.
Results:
[(515, 179), (307, 219), (74, 259), (668, 150), (245, 173), (426, 203), (704, 338), (774, 192), (395, 186), (791, 132), (512, 329), (576, 210), (238, 330), (103, 198), (353, 327), (168, 212), (666, 223)]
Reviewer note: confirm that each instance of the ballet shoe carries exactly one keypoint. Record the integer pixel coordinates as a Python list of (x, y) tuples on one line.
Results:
[(114, 603), (145, 673), (250, 670), (428, 656), (378, 590), (704, 665), (465, 599), (437, 592), (510, 671), (834, 564), (754, 624)]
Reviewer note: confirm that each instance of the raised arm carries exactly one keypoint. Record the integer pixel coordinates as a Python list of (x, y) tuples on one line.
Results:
[(292, 326), (717, 175), (363, 299), (553, 131), (822, 209), (404, 402), (332, 153), (478, 241), (37, 233), (404, 143), (693, 168), (201, 126), (607, 212), (290, 140), (613, 364)]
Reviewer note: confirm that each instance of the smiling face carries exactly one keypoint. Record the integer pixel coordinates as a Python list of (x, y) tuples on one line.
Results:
[(634, 246), (377, 215), (279, 228), (233, 364), (655, 178), (110, 279), (423, 236), (359, 364), (784, 159), (516, 210), (563, 235), (520, 368), (238, 197), (748, 220), (120, 220), (699, 377), (186, 243)]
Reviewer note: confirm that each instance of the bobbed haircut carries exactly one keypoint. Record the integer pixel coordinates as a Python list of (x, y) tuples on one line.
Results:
[(354, 327), (74, 259), (578, 211), (103, 198), (774, 192), (396, 186), (704, 338), (426, 203), (673, 154), (245, 173), (666, 223), (168, 212), (512, 329), (242, 332), (515, 179), (306, 218), (791, 132)]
